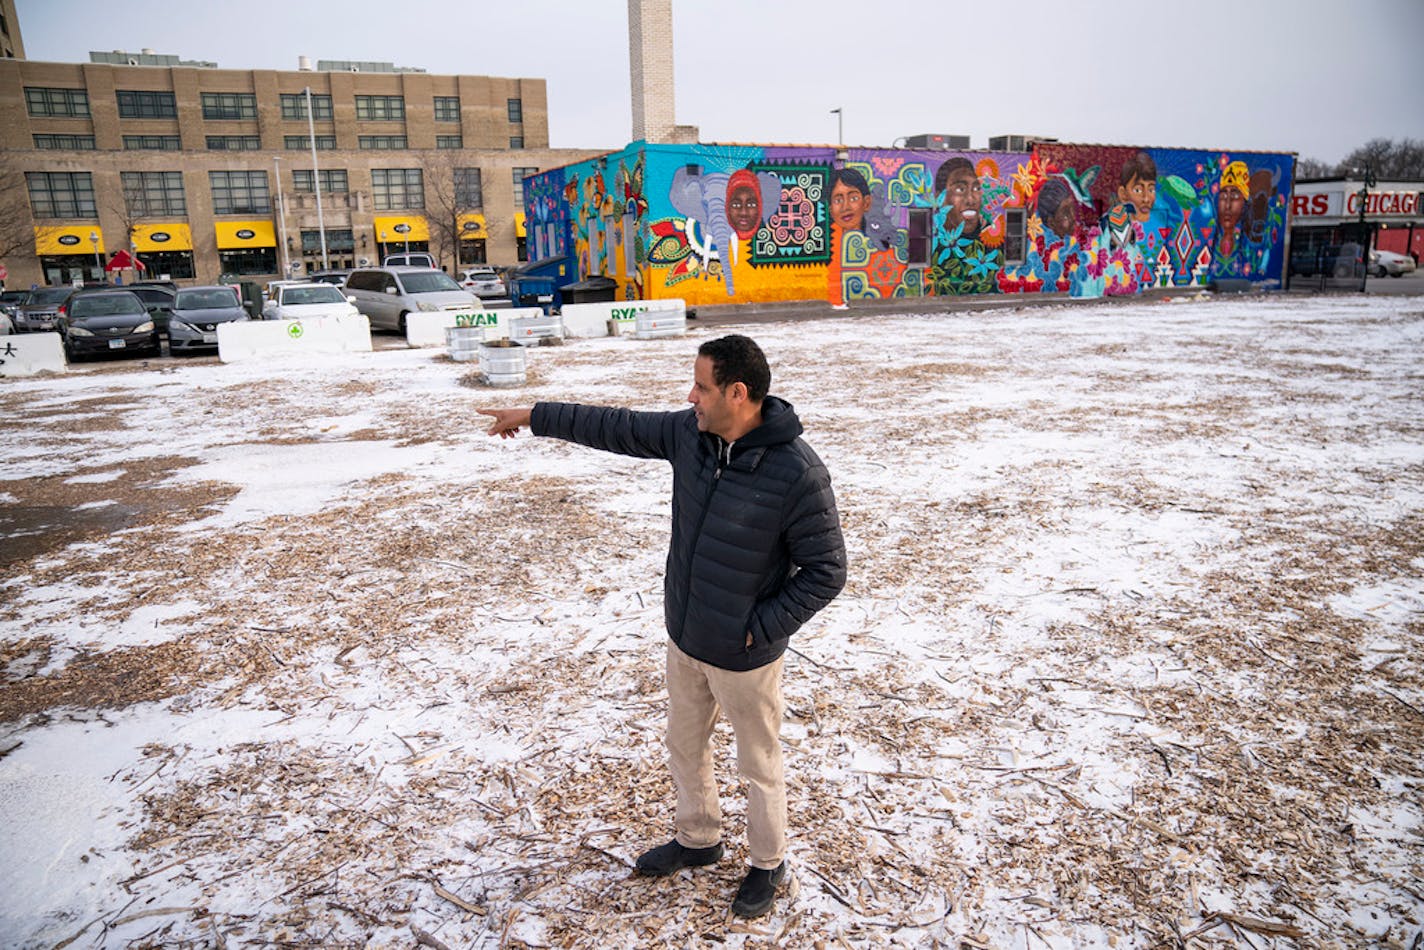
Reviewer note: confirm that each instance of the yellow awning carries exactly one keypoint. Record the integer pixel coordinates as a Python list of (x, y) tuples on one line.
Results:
[(168, 236), (419, 229), (472, 226), (239, 234), (68, 239), (519, 224)]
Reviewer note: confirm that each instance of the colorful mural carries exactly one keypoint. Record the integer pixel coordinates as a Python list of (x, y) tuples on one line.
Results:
[(727, 224)]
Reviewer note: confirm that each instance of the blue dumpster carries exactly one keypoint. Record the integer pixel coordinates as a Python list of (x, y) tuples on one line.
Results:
[(537, 283)]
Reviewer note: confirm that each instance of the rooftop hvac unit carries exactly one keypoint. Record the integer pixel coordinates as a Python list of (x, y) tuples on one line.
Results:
[(1016, 143), (937, 140)]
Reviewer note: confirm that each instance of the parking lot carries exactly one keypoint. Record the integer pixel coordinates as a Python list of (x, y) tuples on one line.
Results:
[(1129, 655)]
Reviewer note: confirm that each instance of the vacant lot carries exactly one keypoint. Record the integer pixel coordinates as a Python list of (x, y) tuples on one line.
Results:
[(1129, 656)]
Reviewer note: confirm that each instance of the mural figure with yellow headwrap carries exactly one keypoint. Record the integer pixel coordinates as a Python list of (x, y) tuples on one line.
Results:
[(1230, 206)]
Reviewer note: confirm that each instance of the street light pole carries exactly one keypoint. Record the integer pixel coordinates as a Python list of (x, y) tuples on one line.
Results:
[(840, 125), (316, 180), (1369, 182), (282, 217), (98, 261)]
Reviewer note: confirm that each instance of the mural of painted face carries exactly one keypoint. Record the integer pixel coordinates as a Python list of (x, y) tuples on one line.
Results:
[(1140, 194), (848, 206), (1064, 220), (743, 210), (1229, 206), (966, 197)]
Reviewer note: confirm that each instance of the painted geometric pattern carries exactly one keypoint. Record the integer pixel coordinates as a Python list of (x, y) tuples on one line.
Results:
[(799, 230)]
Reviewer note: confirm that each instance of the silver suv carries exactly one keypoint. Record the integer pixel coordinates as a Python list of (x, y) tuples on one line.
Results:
[(386, 295)]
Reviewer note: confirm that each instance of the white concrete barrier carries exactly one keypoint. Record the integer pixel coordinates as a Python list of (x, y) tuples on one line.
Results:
[(582, 320), (496, 323), (25, 354), (264, 339), (428, 329)]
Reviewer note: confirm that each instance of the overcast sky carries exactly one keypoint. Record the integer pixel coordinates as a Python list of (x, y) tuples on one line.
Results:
[(1276, 75)]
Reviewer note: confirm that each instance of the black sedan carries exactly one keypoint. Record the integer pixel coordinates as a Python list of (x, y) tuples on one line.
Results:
[(106, 321)]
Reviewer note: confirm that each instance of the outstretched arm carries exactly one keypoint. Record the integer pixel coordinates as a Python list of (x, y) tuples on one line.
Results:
[(507, 422)]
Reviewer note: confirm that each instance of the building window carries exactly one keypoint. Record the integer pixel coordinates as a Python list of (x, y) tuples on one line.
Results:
[(469, 194), (294, 106), (332, 180), (516, 141), (397, 188), (154, 194), (516, 110), (155, 143), (919, 236), (256, 260), (61, 194), (447, 108), (323, 142), (240, 193), (340, 241), (519, 175), (142, 104), (234, 143), (380, 108), (1014, 236), (173, 264), (229, 105), (449, 141), (66, 143), (66, 103), (381, 141)]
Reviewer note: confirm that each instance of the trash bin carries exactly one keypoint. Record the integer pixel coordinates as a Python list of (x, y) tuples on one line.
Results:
[(591, 290), (534, 292), (536, 283)]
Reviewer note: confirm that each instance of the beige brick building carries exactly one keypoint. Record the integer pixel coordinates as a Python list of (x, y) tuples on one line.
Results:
[(204, 172)]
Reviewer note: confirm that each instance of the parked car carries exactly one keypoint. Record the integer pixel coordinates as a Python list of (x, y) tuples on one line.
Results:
[(337, 277), (482, 282), (157, 300), (386, 295), (39, 309), (305, 301), (10, 299), (409, 259), (1389, 263), (197, 312), (6, 325), (106, 321)]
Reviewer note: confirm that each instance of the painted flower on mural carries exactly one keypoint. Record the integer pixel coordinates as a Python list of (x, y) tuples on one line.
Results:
[(678, 243), (886, 166), (1030, 176)]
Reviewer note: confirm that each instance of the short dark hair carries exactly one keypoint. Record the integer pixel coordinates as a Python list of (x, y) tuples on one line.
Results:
[(851, 178), (737, 359), (959, 162), (1140, 166)]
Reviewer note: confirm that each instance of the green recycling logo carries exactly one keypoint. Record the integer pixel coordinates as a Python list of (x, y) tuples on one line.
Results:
[(294, 330)]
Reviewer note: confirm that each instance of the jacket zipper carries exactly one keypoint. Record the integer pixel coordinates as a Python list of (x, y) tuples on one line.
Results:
[(697, 535)]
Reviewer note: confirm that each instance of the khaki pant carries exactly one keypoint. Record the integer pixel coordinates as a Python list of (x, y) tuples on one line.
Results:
[(752, 703)]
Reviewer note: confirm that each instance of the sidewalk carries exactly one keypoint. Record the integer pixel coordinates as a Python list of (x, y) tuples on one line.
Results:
[(785, 310)]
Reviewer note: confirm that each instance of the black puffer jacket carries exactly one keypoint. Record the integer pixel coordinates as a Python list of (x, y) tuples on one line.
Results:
[(756, 541)]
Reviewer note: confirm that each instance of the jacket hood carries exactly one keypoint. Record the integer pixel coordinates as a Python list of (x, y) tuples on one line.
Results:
[(779, 424)]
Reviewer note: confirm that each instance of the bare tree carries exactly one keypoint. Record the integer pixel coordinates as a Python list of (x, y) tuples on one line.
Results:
[(1313, 168), (452, 192), (17, 235)]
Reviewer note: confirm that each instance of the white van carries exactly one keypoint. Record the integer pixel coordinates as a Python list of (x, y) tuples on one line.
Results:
[(412, 259), (387, 294)]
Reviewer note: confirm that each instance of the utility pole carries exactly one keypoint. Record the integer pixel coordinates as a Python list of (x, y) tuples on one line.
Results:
[(316, 180)]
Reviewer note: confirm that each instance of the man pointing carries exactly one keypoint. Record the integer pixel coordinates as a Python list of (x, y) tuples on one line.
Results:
[(756, 550)]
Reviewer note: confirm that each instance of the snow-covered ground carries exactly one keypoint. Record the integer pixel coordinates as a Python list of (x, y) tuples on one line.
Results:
[(1129, 655)]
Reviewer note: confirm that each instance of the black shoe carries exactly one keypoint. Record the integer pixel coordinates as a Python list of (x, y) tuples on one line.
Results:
[(758, 891), (672, 857)]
